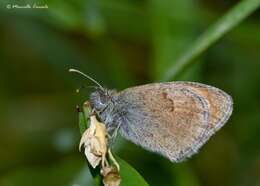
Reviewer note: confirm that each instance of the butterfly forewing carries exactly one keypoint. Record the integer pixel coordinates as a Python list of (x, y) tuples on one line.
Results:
[(174, 119)]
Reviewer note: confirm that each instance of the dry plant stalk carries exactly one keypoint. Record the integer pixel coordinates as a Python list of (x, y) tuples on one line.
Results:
[(95, 142)]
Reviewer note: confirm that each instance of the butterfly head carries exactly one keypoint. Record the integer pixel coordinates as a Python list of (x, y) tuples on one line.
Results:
[(100, 98)]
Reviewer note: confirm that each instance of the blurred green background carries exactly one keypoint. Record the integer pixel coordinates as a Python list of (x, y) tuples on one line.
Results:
[(120, 43)]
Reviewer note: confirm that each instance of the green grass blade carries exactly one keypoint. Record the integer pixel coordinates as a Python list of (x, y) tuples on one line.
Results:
[(232, 18)]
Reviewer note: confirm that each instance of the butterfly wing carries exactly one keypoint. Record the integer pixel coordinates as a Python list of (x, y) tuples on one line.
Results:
[(173, 119)]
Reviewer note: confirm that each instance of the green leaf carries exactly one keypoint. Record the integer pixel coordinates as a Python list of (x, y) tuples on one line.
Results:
[(129, 176), (87, 112), (232, 18), (84, 116), (82, 122)]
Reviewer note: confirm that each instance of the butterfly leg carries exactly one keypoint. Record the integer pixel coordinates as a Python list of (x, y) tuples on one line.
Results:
[(112, 133)]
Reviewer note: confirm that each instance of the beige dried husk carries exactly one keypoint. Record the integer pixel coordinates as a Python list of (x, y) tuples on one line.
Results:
[(95, 143)]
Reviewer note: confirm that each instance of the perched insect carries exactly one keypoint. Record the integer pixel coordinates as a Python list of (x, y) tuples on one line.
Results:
[(173, 119)]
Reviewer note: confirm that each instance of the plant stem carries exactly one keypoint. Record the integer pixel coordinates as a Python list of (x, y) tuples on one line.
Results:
[(232, 18)]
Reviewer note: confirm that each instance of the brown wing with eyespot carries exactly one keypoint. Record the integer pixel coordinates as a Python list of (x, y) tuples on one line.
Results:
[(174, 119)]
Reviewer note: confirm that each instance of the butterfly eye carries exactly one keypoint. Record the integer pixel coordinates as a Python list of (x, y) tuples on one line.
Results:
[(104, 99)]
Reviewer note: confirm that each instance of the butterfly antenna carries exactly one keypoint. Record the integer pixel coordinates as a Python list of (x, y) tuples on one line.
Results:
[(85, 75)]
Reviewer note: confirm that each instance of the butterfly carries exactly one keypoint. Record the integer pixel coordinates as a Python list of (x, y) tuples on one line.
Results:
[(173, 119)]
